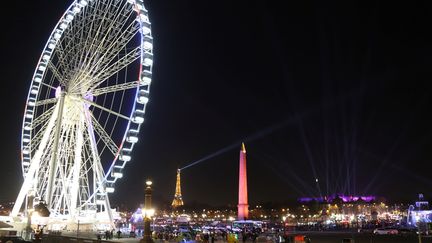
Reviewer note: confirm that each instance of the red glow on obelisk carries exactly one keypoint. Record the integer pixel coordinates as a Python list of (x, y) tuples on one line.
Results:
[(243, 207)]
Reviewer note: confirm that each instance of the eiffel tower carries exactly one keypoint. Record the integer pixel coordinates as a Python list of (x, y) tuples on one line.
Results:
[(178, 201)]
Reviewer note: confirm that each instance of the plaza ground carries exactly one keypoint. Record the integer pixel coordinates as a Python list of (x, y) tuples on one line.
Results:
[(337, 237), (316, 237)]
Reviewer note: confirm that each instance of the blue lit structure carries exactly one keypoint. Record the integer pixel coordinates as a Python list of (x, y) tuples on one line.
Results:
[(137, 217), (419, 213)]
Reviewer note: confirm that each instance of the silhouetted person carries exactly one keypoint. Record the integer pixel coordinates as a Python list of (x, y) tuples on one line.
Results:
[(254, 236), (244, 236)]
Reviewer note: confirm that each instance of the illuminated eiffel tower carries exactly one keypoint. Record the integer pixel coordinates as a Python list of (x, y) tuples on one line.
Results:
[(178, 201)]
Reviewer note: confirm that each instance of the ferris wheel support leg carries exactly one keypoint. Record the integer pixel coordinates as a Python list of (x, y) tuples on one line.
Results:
[(109, 212), (76, 170), (107, 203), (101, 187), (98, 172), (30, 177), (25, 188), (54, 159)]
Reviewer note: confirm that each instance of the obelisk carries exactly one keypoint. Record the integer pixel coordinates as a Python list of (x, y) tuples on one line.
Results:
[(243, 207)]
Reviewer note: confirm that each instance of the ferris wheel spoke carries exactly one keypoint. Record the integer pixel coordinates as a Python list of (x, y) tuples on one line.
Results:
[(113, 29), (123, 62), (46, 101), (122, 39), (101, 74), (43, 117), (101, 37), (104, 136), (37, 137), (119, 44), (115, 88), (56, 73), (73, 38), (62, 63), (114, 32), (111, 51), (69, 54), (106, 109), (47, 85)]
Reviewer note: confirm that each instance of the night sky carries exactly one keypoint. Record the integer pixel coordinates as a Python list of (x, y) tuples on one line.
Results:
[(316, 89)]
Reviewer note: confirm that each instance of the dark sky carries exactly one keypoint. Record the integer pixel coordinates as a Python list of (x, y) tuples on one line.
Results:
[(317, 89)]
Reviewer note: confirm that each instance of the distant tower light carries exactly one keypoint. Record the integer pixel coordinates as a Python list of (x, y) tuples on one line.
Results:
[(178, 201), (149, 182)]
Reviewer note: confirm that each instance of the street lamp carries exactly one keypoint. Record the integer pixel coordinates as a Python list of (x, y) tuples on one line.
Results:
[(148, 213), (149, 182)]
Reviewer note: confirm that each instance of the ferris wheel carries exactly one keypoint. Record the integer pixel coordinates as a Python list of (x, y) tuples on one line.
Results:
[(85, 107)]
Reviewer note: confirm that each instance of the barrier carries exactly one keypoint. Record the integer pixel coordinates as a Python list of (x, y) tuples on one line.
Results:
[(301, 239)]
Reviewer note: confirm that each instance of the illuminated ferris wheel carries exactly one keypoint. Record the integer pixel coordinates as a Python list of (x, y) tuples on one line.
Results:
[(85, 106)]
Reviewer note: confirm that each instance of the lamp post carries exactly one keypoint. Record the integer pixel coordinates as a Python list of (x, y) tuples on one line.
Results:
[(147, 213)]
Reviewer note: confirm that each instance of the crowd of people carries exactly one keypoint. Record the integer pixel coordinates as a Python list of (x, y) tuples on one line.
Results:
[(107, 235)]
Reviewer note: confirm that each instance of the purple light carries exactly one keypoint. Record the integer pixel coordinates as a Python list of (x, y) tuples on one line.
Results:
[(89, 96), (58, 92), (368, 198), (331, 198)]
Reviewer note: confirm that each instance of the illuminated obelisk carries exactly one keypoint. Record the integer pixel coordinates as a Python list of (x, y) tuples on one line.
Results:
[(243, 207), (178, 201)]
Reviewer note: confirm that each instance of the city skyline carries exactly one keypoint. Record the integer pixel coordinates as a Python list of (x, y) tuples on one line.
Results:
[(328, 99)]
